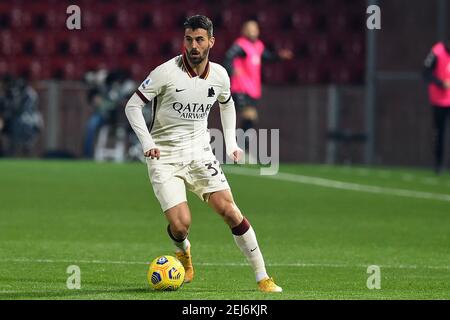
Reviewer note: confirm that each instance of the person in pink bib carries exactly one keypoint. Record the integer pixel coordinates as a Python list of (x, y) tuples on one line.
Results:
[(243, 63), (437, 75)]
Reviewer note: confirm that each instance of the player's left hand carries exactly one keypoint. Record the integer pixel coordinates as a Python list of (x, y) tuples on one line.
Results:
[(285, 54), (236, 155), (447, 84)]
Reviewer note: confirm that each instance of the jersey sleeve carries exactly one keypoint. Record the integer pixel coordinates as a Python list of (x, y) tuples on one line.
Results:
[(152, 85), (228, 116), (428, 68), (225, 94)]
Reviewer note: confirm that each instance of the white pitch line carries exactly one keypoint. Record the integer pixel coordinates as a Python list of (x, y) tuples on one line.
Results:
[(229, 264), (328, 183)]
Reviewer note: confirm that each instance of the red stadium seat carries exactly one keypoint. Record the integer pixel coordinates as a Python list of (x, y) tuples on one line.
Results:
[(5, 19), (126, 18), (91, 18), (39, 69), (9, 44), (69, 68), (138, 35), (57, 16), (320, 46), (71, 42), (39, 12), (95, 63), (270, 17), (304, 19), (232, 18), (138, 68), (170, 43), (8, 65), (166, 17), (345, 72), (353, 47), (143, 43), (280, 40), (337, 22), (20, 18), (274, 73), (38, 43), (311, 72), (113, 44)]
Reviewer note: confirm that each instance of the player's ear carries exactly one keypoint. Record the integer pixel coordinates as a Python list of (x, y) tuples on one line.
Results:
[(211, 41)]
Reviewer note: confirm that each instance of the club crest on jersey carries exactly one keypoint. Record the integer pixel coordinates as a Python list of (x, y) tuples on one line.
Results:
[(211, 92), (146, 83)]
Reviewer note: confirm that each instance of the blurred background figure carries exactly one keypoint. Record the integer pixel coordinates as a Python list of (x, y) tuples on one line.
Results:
[(20, 119), (437, 76), (243, 63), (2, 115), (107, 93)]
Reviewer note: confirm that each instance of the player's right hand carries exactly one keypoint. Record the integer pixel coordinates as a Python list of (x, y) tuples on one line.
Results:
[(152, 153)]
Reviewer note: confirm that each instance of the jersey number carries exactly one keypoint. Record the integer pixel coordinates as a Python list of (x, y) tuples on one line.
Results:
[(210, 167)]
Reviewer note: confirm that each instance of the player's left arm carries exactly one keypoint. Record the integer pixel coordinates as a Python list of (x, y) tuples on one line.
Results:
[(281, 54), (228, 119)]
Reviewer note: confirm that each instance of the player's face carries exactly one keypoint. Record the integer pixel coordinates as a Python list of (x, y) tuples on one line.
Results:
[(251, 30), (197, 44)]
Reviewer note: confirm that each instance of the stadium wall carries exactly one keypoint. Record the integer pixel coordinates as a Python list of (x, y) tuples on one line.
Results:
[(403, 122)]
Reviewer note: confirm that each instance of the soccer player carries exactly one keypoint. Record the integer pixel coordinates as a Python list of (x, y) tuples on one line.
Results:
[(243, 63), (437, 76), (177, 147)]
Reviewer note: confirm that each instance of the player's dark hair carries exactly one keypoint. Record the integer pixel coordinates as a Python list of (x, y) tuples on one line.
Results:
[(199, 22)]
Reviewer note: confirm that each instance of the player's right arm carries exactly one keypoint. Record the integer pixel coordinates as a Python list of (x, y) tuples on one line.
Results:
[(232, 53), (150, 88)]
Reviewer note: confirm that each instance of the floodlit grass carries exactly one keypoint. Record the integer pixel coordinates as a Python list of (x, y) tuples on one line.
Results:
[(317, 241)]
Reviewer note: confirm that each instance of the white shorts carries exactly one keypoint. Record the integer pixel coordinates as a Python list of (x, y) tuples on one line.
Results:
[(170, 180)]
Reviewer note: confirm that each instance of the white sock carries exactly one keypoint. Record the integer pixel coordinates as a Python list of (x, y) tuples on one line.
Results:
[(249, 246), (182, 246)]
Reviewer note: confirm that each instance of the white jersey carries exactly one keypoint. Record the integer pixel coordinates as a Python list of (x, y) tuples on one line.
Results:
[(182, 101)]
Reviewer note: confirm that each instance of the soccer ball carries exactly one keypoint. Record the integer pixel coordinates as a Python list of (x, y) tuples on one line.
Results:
[(165, 273)]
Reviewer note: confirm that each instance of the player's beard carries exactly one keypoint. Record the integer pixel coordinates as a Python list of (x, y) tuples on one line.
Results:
[(198, 59)]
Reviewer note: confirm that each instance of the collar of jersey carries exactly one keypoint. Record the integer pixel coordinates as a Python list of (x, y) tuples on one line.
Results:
[(191, 71)]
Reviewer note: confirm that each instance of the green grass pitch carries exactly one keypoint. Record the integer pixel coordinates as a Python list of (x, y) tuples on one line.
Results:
[(317, 240)]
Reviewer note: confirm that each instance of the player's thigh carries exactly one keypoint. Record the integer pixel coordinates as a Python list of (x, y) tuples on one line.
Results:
[(169, 188), (205, 177)]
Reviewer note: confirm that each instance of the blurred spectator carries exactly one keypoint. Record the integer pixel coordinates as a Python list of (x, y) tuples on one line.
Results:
[(437, 75), (243, 63), (107, 93), (20, 118)]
